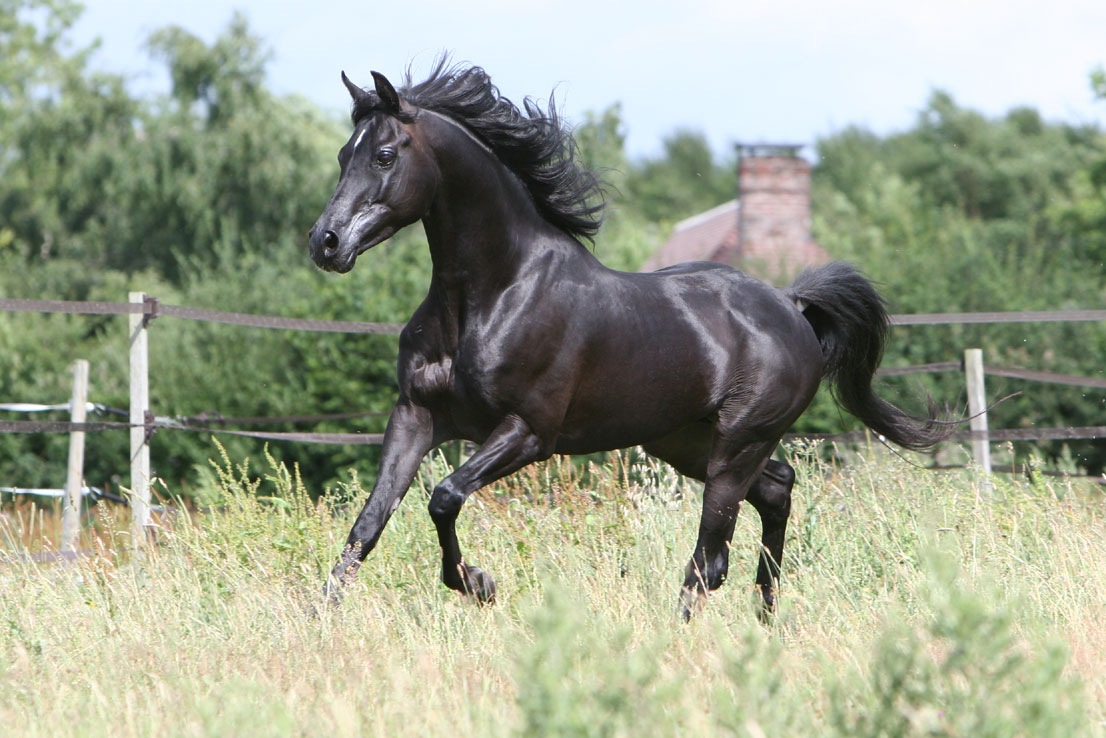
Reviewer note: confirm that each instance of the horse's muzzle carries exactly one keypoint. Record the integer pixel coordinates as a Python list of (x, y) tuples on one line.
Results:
[(325, 247)]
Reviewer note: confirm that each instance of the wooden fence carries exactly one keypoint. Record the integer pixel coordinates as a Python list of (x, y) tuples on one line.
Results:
[(142, 309)]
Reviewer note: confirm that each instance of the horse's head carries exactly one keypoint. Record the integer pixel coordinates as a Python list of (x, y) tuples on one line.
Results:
[(387, 182)]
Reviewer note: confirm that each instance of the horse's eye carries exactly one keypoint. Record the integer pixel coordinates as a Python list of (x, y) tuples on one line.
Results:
[(385, 157)]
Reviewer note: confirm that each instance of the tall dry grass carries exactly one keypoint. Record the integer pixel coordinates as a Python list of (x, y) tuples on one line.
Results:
[(909, 606)]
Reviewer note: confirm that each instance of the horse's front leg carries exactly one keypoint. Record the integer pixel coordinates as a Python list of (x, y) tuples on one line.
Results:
[(407, 439), (510, 447)]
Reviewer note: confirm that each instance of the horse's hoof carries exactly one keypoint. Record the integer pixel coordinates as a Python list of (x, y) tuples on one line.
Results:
[(767, 610), (331, 597), (479, 585), (692, 601)]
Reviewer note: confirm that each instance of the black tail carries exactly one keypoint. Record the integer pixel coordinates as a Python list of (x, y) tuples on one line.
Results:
[(850, 319)]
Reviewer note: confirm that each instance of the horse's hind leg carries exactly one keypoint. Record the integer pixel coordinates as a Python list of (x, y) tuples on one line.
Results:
[(511, 446), (770, 495), (730, 472)]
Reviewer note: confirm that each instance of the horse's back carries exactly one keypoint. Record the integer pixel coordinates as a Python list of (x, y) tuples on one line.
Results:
[(750, 304), (655, 351)]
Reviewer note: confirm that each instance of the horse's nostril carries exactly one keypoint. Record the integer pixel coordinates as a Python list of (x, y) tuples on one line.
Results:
[(330, 243)]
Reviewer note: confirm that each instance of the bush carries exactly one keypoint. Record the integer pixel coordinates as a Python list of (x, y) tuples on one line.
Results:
[(962, 672)]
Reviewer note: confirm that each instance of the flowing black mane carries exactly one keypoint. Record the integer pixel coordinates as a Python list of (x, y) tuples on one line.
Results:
[(532, 143)]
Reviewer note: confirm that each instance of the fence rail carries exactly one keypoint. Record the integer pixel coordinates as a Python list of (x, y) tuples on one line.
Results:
[(996, 435), (153, 308), (1020, 316), (150, 308), (64, 426), (997, 371), (217, 425), (142, 309)]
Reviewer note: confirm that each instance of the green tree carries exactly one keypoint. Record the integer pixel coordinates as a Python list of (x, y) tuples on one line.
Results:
[(1083, 220), (221, 79), (684, 181), (223, 167), (601, 142), (32, 54), (968, 213), (201, 198), (628, 237)]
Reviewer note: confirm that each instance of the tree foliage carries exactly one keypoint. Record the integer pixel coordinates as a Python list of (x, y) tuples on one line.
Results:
[(967, 213), (204, 196), (678, 183)]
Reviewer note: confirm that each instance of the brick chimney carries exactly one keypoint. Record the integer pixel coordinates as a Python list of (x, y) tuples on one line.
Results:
[(773, 223), (765, 232)]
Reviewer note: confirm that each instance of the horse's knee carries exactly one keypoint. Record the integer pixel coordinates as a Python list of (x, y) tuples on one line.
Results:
[(445, 502), (770, 494), (780, 472)]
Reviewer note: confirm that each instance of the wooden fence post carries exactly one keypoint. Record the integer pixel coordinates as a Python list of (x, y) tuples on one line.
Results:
[(977, 407), (74, 478), (140, 405)]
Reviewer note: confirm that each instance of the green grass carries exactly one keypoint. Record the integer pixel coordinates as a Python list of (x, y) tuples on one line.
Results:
[(909, 606)]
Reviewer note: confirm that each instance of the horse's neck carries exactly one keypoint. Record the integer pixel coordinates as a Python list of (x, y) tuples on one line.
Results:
[(483, 228)]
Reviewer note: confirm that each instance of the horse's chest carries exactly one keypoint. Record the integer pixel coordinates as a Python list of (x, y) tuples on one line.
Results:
[(473, 376), (451, 379), (457, 394), (430, 380)]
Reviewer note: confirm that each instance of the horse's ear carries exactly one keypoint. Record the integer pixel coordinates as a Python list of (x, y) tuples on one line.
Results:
[(355, 92), (387, 93)]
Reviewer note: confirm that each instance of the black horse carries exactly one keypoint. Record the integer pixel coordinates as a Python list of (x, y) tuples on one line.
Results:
[(529, 346)]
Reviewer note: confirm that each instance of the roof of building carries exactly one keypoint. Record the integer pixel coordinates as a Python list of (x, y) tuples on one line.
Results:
[(712, 236), (698, 238)]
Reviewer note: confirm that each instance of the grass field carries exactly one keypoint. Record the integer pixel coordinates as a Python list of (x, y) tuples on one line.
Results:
[(909, 606)]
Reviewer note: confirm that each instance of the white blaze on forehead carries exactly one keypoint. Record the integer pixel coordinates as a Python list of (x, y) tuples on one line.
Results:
[(360, 136)]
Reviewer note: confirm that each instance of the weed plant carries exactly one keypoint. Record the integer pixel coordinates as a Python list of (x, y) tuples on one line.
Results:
[(913, 603)]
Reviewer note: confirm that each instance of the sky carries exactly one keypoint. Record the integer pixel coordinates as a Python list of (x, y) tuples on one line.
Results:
[(783, 71)]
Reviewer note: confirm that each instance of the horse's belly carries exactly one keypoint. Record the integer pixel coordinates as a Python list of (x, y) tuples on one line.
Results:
[(628, 413)]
